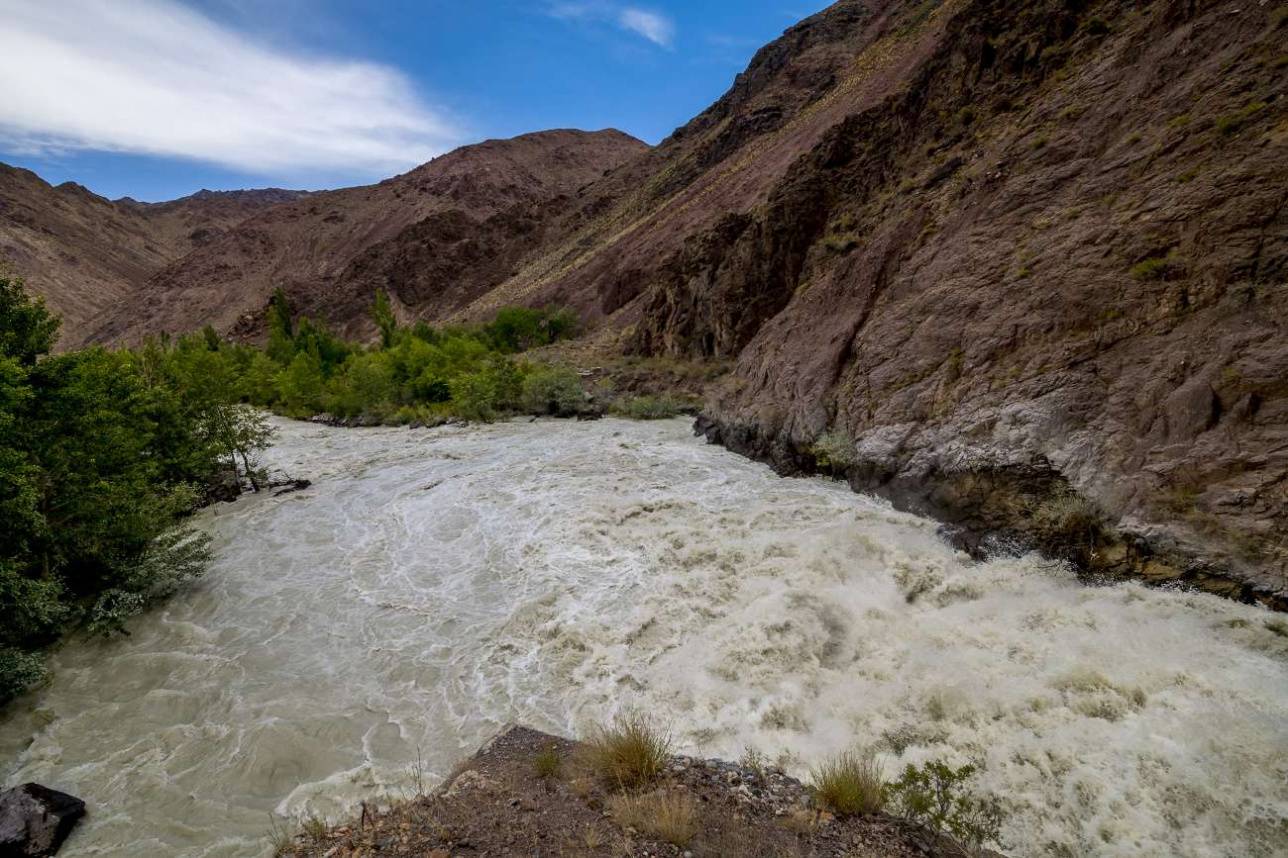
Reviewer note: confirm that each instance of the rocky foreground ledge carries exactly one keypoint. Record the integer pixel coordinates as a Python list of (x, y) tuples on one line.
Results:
[(522, 794)]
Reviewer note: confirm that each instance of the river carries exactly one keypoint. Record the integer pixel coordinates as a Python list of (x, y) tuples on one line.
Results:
[(434, 584)]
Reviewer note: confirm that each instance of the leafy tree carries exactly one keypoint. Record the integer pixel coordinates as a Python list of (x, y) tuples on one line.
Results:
[(382, 313), (281, 328), (101, 453), (27, 330)]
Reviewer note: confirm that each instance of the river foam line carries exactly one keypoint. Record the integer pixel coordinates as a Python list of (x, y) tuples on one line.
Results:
[(434, 584)]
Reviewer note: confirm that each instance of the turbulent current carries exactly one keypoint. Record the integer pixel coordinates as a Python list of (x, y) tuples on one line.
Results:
[(435, 584)]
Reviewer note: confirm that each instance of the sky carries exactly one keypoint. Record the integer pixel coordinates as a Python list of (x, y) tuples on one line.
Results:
[(156, 99)]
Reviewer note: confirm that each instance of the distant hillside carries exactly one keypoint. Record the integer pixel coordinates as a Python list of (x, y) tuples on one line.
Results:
[(86, 254), (331, 250)]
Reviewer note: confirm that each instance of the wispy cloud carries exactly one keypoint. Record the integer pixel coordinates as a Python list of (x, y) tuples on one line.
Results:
[(658, 29), (654, 26), (155, 77)]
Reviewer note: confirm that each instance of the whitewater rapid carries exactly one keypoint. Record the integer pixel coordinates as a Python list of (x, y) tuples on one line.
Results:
[(435, 584)]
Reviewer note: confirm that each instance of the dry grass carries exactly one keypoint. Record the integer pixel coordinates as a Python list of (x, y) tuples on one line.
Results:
[(628, 753), (850, 784), (664, 815)]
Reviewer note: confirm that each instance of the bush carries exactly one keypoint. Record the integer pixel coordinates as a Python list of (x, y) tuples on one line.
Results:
[(18, 671), (934, 795), (628, 753), (1158, 268), (552, 390), (663, 815), (849, 785), (834, 451), (474, 397), (648, 408)]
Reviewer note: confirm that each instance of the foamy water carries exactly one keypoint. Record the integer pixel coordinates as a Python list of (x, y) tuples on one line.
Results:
[(435, 584)]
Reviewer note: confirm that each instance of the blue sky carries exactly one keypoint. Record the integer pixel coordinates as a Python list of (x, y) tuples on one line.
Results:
[(155, 99)]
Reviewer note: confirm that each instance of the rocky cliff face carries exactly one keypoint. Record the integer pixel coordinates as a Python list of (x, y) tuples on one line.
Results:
[(1027, 261)]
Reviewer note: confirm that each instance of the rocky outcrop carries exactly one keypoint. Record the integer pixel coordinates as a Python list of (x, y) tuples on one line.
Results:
[(523, 793), (35, 820)]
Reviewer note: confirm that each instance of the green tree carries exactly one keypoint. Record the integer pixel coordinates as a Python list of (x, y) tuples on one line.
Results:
[(382, 313), (27, 330)]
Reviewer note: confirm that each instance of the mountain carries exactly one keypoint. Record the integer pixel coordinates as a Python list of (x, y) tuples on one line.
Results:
[(323, 249), (1023, 266), (85, 254)]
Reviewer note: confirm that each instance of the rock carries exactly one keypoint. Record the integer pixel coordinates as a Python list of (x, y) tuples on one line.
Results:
[(35, 820)]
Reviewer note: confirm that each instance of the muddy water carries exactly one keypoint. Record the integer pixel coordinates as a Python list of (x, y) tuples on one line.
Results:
[(434, 584)]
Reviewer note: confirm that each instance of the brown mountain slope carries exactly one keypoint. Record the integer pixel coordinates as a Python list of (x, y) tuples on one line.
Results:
[(306, 246), (85, 254), (1029, 259)]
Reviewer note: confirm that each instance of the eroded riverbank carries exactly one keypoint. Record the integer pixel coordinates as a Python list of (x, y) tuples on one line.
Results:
[(434, 584)]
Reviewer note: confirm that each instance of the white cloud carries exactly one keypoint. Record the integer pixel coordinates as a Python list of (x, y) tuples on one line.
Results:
[(652, 26), (153, 77)]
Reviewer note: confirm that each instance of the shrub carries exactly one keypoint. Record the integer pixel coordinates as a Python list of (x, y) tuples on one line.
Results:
[(552, 390), (849, 785), (664, 815), (628, 753), (474, 397), (18, 671), (834, 451), (649, 407), (1158, 268), (934, 795)]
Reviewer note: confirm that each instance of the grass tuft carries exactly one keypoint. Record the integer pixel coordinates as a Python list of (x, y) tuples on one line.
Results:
[(547, 763), (665, 815), (628, 753), (851, 784)]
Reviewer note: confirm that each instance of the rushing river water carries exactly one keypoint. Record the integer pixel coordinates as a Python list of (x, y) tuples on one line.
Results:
[(434, 584)]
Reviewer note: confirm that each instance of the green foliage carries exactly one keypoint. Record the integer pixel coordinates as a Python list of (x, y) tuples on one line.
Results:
[(649, 407), (1158, 268), (553, 390), (834, 451), (382, 313), (849, 785), (935, 795), (18, 671), (27, 330), (101, 452)]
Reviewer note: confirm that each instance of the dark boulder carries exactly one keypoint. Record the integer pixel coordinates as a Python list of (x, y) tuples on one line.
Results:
[(35, 820)]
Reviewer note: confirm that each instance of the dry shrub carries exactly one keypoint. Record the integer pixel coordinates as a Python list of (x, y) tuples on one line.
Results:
[(849, 784), (664, 815), (628, 753)]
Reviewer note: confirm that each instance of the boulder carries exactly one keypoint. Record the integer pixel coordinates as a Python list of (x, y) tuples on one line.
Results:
[(35, 820)]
